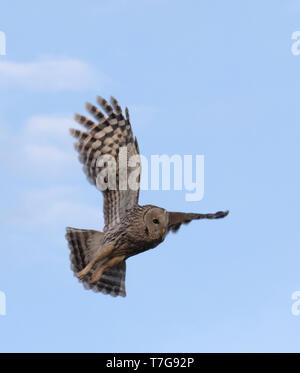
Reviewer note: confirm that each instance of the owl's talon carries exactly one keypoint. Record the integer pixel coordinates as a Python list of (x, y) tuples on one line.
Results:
[(101, 255), (111, 263), (81, 275)]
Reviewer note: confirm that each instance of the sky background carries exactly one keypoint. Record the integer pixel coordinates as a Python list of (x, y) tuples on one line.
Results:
[(216, 78)]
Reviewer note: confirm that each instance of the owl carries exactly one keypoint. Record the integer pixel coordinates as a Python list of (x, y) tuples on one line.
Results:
[(98, 259)]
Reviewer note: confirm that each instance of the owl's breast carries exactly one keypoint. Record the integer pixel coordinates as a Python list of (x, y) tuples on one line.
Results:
[(130, 237), (138, 248)]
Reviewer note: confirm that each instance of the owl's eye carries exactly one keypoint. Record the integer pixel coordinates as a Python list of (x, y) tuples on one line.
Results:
[(155, 221)]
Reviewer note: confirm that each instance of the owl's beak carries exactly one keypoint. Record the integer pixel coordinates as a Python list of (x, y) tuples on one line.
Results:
[(163, 231)]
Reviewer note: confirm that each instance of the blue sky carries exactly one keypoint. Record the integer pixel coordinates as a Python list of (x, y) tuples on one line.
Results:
[(200, 77)]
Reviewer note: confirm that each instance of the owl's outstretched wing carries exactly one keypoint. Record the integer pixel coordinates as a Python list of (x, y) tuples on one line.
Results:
[(106, 137), (178, 218)]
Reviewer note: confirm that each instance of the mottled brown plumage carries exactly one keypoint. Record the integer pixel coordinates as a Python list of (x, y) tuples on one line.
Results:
[(98, 259)]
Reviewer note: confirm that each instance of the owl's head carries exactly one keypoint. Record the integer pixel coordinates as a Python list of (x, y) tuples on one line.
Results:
[(156, 222)]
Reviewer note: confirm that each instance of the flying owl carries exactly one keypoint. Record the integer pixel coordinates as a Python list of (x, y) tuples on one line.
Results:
[(98, 259)]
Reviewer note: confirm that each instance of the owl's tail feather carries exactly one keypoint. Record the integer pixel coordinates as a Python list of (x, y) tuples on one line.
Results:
[(83, 244), (84, 247)]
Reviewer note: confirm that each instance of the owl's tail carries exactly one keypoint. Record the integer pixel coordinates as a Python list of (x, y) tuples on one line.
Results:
[(84, 244)]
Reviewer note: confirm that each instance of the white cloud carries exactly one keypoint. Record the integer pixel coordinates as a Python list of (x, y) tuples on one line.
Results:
[(43, 150), (45, 156), (47, 142), (54, 207), (52, 124), (43, 147), (54, 74)]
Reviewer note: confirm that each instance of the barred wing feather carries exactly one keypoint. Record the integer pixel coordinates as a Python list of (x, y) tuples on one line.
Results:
[(106, 136)]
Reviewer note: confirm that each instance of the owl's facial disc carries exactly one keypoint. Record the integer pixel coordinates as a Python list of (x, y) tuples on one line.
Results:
[(156, 222)]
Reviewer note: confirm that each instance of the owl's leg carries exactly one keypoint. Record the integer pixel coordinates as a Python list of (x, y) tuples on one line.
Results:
[(104, 252), (111, 263)]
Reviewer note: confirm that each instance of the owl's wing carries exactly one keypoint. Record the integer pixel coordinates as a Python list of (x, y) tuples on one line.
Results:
[(178, 218), (106, 137)]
